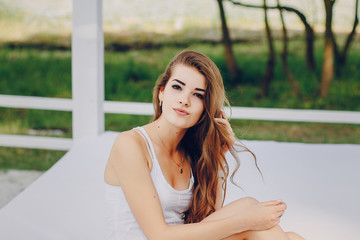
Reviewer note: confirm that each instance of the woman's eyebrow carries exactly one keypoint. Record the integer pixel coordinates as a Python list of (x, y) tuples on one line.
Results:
[(182, 83)]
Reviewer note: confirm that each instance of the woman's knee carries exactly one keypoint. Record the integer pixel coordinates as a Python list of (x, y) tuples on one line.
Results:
[(250, 200), (243, 203), (294, 236), (247, 201), (272, 233)]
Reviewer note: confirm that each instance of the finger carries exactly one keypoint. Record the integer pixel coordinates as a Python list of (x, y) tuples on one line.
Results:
[(276, 222), (279, 213), (226, 124), (223, 115), (223, 121), (273, 223), (273, 203), (280, 207)]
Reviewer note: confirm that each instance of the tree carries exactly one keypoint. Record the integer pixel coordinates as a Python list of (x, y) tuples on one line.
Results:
[(230, 60), (343, 55), (329, 51), (309, 32), (269, 72), (284, 54)]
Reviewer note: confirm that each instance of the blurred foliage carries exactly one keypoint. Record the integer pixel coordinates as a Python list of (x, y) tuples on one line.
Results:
[(28, 159), (131, 74)]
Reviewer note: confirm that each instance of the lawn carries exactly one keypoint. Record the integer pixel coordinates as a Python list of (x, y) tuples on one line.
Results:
[(130, 75)]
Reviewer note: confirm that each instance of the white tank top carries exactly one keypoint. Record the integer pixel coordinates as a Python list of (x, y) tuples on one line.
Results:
[(120, 219)]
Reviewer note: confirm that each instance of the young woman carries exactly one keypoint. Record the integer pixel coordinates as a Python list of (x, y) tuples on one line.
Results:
[(166, 180)]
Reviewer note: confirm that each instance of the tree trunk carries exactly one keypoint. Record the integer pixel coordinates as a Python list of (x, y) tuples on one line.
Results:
[(309, 32), (284, 55), (230, 60), (269, 72), (328, 62), (343, 55), (310, 37)]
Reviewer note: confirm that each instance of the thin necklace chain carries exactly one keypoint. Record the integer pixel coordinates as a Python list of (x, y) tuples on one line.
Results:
[(182, 158)]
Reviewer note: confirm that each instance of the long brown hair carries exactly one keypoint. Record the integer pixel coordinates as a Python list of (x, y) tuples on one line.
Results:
[(203, 143)]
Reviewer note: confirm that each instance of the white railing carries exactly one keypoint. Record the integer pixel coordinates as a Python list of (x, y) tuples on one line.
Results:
[(137, 108), (87, 59), (140, 108), (88, 106)]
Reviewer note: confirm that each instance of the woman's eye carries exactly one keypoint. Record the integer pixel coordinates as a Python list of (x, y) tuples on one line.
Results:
[(199, 95), (176, 87)]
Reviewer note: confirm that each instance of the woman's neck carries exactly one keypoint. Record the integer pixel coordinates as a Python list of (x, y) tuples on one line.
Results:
[(168, 135)]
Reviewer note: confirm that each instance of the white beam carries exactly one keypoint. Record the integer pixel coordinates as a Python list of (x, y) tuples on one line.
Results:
[(140, 108), (136, 108), (38, 142), (269, 114), (295, 115), (87, 68), (44, 103)]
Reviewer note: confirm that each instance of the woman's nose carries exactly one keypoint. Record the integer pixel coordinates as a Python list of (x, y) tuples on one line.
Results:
[(184, 99)]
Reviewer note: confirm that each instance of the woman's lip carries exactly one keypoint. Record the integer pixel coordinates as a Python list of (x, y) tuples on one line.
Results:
[(181, 112)]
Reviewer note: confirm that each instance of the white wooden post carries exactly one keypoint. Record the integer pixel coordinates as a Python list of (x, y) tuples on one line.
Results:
[(87, 50)]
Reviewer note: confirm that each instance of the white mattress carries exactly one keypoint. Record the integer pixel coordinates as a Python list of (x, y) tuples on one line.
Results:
[(319, 182)]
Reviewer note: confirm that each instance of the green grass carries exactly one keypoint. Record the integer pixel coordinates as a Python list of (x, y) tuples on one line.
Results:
[(28, 159), (123, 122), (297, 131), (35, 73), (20, 121), (130, 76)]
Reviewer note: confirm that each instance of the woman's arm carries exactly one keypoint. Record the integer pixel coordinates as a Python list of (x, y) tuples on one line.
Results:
[(259, 215), (128, 160)]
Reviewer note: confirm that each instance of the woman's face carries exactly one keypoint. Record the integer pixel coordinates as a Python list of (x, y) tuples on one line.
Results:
[(183, 96)]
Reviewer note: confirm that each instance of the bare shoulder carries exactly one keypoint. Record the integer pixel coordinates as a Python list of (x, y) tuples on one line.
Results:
[(127, 139), (127, 145), (128, 152)]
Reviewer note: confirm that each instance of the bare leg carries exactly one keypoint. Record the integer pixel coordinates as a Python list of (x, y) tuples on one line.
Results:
[(275, 233), (294, 236)]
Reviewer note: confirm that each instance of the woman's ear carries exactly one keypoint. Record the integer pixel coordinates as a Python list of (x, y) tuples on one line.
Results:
[(161, 94)]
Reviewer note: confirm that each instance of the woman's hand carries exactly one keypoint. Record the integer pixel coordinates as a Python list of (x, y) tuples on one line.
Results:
[(249, 214), (264, 215), (225, 122)]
